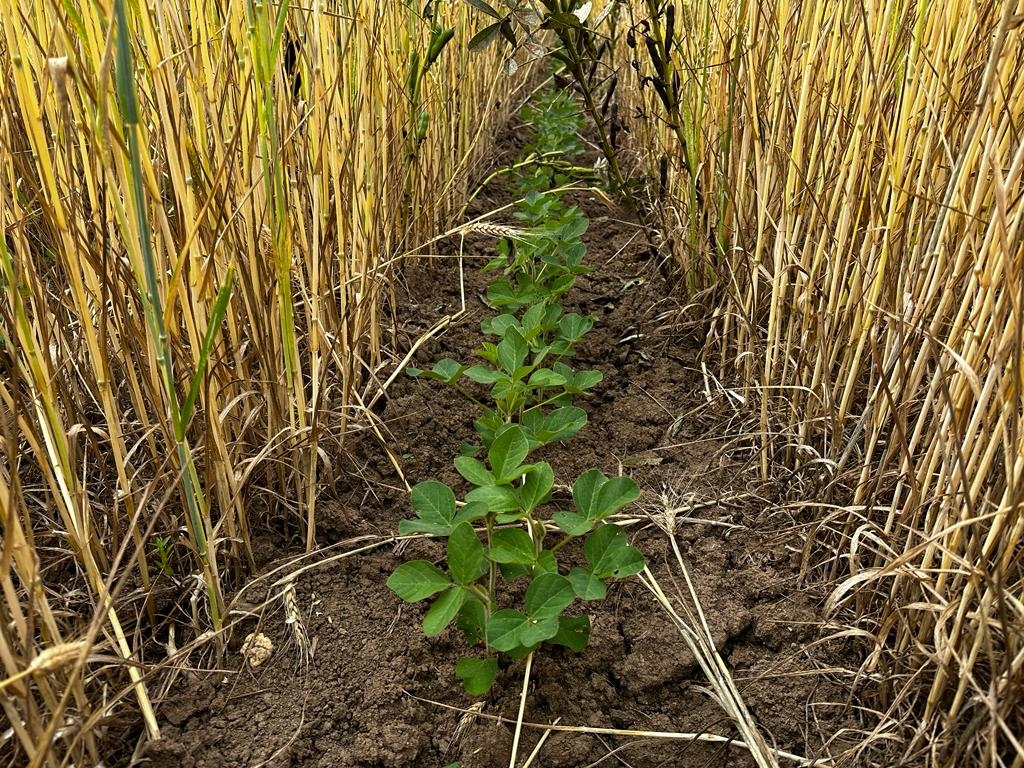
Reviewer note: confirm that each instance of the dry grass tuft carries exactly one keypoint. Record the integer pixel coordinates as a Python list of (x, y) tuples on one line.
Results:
[(202, 208), (845, 183)]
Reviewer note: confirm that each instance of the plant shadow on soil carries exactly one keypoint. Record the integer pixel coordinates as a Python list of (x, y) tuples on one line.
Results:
[(366, 697)]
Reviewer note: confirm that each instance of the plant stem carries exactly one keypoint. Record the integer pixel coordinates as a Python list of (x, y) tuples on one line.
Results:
[(576, 69), (562, 543)]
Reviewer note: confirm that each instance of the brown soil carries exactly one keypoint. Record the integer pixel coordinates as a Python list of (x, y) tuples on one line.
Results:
[(374, 691)]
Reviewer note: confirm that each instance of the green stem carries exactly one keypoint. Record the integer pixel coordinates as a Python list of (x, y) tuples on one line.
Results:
[(154, 311), (562, 543)]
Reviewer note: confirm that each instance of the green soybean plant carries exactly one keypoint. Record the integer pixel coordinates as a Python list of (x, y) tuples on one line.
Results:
[(498, 531), (542, 265), (580, 49), (556, 121), (507, 528), (529, 382)]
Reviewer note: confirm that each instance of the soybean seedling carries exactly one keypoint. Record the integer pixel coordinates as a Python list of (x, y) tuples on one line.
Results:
[(507, 529), (497, 532)]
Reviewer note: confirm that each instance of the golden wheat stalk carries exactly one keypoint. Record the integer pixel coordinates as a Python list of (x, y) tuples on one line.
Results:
[(850, 180), (296, 175)]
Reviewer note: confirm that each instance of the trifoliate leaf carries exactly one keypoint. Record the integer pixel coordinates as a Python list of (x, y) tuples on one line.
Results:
[(609, 555)]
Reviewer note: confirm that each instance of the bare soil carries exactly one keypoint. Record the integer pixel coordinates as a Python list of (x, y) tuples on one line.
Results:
[(377, 694)]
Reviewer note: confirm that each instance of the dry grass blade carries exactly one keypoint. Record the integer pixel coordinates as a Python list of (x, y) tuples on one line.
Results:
[(708, 738), (694, 628)]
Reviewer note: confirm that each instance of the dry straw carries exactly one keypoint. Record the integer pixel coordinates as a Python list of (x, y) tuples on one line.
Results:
[(846, 180), (150, 153)]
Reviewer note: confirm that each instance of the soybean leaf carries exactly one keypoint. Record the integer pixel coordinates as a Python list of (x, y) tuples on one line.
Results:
[(444, 370), (575, 227), (561, 347), (546, 378), (533, 319), (548, 596), (536, 488), (551, 314), (487, 425), (531, 437), (505, 518), (533, 418), (563, 400), (506, 454), (563, 369), (474, 471), (561, 424), (614, 495), (536, 631), (443, 611), (499, 324), (471, 512), (513, 571), (513, 545), (584, 380), (477, 675), (500, 293), (573, 327), (508, 392), (495, 263), (609, 555), (546, 563), (521, 651), (433, 502), (481, 374), (585, 491), (489, 352), (586, 585), (466, 559), (410, 527), (504, 628), (571, 523), (573, 632), (597, 497), (512, 351), (471, 620), (417, 580), (497, 498)]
